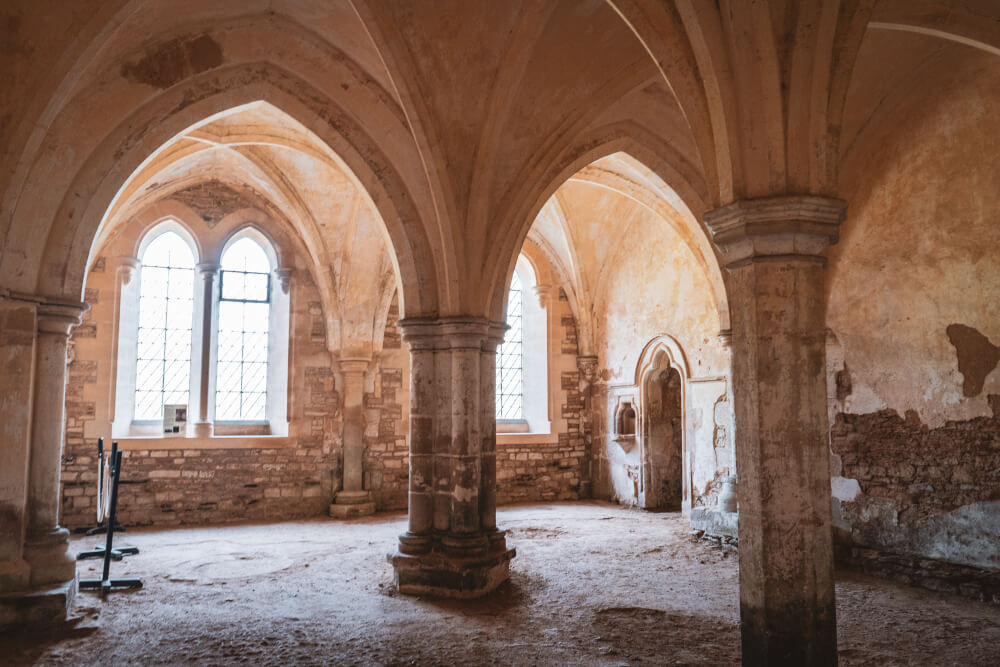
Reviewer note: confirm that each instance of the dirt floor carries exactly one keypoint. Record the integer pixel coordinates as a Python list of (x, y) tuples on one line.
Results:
[(592, 584)]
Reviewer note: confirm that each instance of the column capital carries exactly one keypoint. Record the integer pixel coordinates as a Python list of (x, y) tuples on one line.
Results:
[(207, 270), (448, 333), (776, 228), (284, 278), (545, 294), (127, 266), (58, 317), (587, 365), (726, 338), (353, 366)]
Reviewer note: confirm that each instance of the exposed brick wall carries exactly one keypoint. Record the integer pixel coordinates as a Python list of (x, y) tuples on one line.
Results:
[(923, 471), (196, 483), (538, 471), (387, 461), (170, 487), (184, 486), (550, 470)]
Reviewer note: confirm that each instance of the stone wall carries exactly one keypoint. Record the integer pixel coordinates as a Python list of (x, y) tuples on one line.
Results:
[(539, 471), (546, 468), (387, 454), (179, 486), (185, 480), (917, 490)]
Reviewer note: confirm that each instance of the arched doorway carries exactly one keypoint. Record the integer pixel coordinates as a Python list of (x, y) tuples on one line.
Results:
[(662, 442)]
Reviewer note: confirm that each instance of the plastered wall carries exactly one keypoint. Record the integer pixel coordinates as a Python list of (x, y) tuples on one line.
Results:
[(914, 314)]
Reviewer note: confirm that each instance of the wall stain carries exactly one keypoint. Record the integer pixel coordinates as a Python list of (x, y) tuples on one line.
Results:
[(977, 356), (174, 61)]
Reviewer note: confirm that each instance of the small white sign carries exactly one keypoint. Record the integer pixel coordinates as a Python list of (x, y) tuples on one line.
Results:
[(174, 418)]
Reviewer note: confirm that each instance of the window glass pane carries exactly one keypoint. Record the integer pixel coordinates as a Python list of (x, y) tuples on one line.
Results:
[(253, 406), (228, 377), (227, 405), (255, 346), (166, 298), (232, 285), (509, 389), (244, 316), (230, 346), (255, 316), (246, 255), (256, 286), (152, 313)]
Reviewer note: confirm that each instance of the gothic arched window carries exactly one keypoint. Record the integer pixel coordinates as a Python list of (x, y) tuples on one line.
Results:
[(244, 325), (163, 351), (510, 358)]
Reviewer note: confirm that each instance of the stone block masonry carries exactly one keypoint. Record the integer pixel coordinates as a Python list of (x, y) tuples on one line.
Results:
[(539, 471), (917, 485), (171, 487)]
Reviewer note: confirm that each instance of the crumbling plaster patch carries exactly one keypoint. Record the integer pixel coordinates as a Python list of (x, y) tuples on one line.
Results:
[(917, 254)]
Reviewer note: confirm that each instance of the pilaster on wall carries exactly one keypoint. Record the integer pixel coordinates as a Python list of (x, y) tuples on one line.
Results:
[(34, 333), (773, 251), (452, 546)]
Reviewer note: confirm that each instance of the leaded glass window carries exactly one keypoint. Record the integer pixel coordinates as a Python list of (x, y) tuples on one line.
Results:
[(510, 359), (166, 298), (244, 314)]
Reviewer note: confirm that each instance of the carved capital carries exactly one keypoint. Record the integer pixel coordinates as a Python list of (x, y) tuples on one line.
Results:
[(208, 270), (58, 317), (450, 333), (587, 365), (127, 268), (354, 368), (726, 338), (284, 279), (545, 294), (776, 229)]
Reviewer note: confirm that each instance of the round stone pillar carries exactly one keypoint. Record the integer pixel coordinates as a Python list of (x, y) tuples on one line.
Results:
[(353, 500), (773, 250), (452, 547), (46, 542)]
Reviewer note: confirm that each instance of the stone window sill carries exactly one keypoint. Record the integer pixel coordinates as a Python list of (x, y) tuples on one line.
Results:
[(526, 438), (179, 442)]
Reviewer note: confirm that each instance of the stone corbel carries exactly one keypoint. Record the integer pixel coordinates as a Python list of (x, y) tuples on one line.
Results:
[(545, 293), (284, 278), (726, 338), (127, 268), (587, 365)]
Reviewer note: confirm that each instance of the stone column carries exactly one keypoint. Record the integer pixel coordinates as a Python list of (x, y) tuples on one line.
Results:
[(353, 500), (46, 542), (452, 547), (773, 250), (587, 365), (208, 271)]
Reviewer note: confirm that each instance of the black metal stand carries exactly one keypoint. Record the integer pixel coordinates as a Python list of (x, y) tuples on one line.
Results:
[(98, 552), (106, 583)]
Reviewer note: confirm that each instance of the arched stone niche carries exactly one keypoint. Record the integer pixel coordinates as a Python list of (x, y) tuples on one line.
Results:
[(661, 379)]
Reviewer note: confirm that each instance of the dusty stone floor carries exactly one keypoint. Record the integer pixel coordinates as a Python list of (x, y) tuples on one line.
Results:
[(592, 584)]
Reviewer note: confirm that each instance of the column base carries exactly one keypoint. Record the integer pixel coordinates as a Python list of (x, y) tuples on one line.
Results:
[(50, 562), (37, 608), (15, 575), (352, 504), (204, 429), (441, 575)]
